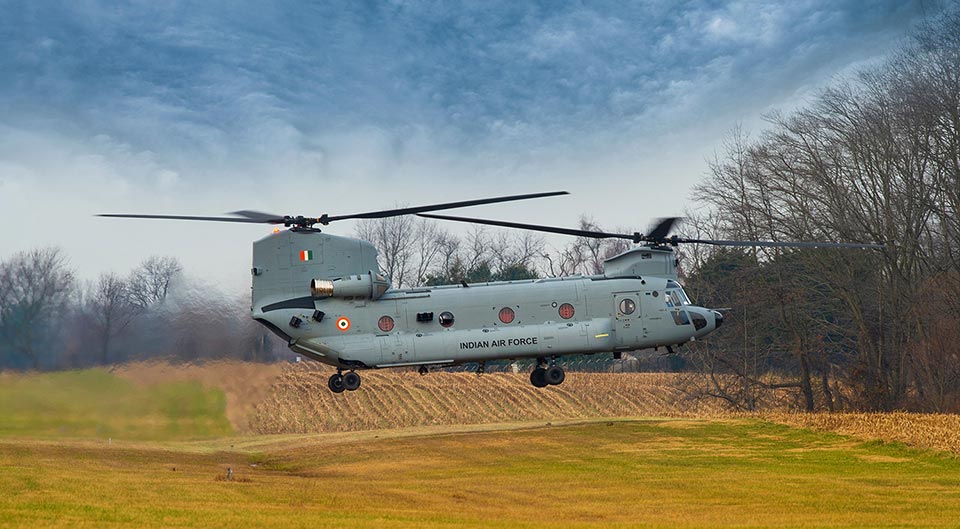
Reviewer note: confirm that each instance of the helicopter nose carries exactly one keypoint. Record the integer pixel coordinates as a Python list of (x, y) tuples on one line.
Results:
[(717, 319)]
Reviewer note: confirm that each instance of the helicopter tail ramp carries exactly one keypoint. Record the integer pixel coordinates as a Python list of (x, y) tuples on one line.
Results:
[(285, 262)]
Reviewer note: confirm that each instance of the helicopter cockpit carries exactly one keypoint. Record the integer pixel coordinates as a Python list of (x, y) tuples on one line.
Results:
[(674, 295), (676, 299)]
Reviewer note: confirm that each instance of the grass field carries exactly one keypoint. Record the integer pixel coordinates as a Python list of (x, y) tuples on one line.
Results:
[(151, 449), (95, 403), (639, 473)]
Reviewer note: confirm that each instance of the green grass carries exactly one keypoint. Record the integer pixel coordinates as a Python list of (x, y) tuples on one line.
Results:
[(95, 403), (639, 473)]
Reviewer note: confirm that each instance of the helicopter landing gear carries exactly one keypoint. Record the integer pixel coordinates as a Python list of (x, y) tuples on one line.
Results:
[(538, 377), (542, 377), (339, 382), (423, 370), (336, 383), (555, 375), (351, 381)]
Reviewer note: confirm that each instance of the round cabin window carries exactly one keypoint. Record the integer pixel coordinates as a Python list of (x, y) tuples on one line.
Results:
[(385, 323), (566, 311), (507, 315), (627, 306), (446, 318)]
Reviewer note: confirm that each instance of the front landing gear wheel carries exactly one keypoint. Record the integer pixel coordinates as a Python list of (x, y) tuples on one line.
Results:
[(539, 377), (351, 381), (336, 383), (555, 375)]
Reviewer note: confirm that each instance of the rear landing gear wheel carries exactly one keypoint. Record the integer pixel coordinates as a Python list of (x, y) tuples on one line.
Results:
[(351, 381), (555, 375), (539, 377), (336, 383)]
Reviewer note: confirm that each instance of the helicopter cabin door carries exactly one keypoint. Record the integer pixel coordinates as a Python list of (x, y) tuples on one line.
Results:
[(628, 324)]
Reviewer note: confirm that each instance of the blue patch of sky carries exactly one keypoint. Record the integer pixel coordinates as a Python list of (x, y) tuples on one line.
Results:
[(218, 79)]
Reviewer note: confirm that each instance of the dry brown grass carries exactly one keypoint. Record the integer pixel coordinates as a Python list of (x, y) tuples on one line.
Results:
[(245, 384), (294, 399), (300, 401), (924, 430)]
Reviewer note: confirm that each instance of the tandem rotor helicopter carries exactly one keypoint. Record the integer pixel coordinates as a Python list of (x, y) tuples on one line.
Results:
[(323, 294)]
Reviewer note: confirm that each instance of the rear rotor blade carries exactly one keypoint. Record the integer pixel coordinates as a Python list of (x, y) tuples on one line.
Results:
[(778, 244), (325, 219), (656, 237), (535, 227), (662, 229)]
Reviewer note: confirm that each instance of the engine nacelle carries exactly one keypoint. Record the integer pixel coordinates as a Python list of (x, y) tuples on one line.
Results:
[(368, 286)]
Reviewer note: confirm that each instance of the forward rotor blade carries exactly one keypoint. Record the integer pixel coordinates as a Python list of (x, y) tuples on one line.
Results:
[(778, 244), (436, 207), (662, 229), (190, 217), (536, 227)]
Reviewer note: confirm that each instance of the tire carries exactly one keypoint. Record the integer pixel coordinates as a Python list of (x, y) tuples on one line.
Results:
[(555, 375), (538, 377), (336, 383), (351, 381)]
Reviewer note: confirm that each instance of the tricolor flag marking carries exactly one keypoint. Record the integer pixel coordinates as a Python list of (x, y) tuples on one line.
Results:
[(306, 255)]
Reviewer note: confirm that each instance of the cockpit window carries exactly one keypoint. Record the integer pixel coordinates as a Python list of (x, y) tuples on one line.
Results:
[(675, 296)]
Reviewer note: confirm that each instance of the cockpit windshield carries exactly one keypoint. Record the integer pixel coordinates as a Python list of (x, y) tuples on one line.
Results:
[(675, 296)]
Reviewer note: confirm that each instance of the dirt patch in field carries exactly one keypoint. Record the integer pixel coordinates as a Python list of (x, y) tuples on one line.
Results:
[(245, 384), (874, 458)]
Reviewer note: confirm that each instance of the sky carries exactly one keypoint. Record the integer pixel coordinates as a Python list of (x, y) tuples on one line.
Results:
[(207, 107)]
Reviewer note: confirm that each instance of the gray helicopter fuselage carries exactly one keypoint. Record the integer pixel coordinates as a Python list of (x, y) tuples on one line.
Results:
[(320, 292), (542, 324)]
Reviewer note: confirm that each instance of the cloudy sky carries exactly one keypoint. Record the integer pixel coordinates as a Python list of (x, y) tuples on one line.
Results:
[(208, 107)]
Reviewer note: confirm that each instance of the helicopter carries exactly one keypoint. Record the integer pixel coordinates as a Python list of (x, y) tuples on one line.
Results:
[(324, 295)]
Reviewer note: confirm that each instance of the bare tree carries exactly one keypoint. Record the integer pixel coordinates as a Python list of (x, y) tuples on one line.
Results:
[(432, 242), (592, 249), (150, 282), (34, 285), (394, 238), (447, 261), (113, 309), (564, 261), (515, 255)]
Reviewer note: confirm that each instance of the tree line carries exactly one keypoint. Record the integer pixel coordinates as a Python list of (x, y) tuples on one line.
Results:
[(51, 320), (873, 158)]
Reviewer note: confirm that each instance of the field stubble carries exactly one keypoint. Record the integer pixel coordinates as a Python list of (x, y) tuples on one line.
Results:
[(300, 402)]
